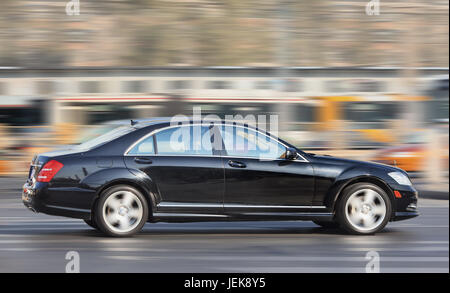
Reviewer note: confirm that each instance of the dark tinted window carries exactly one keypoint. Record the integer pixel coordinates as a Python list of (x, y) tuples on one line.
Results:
[(219, 84), (370, 112), (133, 86), (245, 142), (184, 140), (106, 137), (179, 84), (90, 87), (145, 147)]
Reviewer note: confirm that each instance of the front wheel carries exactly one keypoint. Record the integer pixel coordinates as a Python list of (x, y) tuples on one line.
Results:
[(327, 224), (364, 209), (121, 211)]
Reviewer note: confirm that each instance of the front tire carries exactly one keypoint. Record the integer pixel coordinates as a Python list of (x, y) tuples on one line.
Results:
[(364, 209), (327, 224), (121, 211)]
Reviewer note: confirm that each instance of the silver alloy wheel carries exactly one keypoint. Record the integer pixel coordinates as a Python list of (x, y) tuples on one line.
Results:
[(365, 209), (122, 211)]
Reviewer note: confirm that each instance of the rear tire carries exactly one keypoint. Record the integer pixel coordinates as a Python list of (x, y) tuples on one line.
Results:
[(364, 208), (327, 224), (121, 211)]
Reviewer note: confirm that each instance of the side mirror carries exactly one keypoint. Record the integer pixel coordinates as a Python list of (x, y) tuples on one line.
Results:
[(291, 154)]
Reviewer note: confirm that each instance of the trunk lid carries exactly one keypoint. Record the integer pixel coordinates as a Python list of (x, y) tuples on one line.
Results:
[(39, 160)]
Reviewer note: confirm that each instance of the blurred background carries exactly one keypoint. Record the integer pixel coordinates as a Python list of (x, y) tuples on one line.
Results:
[(345, 83)]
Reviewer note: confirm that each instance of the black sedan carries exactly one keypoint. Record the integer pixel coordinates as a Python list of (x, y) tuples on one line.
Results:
[(155, 170)]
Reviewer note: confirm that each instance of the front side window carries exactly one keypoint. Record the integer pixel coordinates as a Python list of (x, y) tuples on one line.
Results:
[(245, 142), (184, 140)]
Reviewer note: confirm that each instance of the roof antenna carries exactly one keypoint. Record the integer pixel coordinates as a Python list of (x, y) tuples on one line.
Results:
[(133, 122), (395, 163)]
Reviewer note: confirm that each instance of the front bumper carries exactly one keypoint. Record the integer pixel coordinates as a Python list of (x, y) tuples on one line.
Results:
[(399, 216), (405, 207)]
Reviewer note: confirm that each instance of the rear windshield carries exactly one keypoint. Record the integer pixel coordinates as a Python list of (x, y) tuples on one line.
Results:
[(108, 135)]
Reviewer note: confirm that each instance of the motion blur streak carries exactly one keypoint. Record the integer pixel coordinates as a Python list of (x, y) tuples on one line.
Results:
[(345, 83)]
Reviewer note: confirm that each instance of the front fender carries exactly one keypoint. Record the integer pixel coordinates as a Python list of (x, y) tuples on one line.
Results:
[(355, 175)]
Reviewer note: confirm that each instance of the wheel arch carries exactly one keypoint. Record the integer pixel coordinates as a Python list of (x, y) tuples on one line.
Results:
[(338, 190), (150, 199), (140, 182)]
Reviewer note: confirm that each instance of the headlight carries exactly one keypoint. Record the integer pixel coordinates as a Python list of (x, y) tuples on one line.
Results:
[(400, 178)]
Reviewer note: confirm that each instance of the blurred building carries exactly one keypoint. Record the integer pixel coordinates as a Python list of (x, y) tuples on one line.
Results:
[(303, 33), (337, 78), (319, 99)]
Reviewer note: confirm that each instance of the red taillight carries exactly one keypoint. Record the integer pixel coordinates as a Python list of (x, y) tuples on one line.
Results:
[(397, 194), (49, 171)]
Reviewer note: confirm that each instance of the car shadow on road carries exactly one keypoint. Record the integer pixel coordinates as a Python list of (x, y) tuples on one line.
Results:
[(210, 228), (154, 233)]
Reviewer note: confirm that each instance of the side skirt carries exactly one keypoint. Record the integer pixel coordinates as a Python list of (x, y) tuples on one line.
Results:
[(252, 216)]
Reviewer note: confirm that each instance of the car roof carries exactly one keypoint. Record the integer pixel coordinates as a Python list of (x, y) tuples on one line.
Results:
[(140, 123)]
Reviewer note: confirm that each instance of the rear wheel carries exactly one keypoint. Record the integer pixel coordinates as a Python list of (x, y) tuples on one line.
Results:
[(121, 211), (327, 224), (364, 209)]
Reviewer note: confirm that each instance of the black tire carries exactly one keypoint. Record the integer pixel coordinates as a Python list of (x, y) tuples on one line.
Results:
[(327, 224), (359, 189), (91, 223), (101, 211)]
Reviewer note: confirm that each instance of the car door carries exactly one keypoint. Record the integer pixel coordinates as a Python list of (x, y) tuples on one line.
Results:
[(257, 178), (187, 171)]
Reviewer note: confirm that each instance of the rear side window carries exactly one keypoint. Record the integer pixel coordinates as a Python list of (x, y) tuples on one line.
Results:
[(104, 138), (145, 147), (185, 141)]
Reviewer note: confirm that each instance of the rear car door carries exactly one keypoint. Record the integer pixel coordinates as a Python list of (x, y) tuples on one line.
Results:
[(187, 171)]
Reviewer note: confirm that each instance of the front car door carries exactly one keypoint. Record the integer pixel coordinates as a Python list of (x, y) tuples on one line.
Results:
[(187, 171), (258, 178)]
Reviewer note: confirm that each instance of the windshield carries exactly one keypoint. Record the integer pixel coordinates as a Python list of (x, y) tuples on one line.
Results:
[(108, 135)]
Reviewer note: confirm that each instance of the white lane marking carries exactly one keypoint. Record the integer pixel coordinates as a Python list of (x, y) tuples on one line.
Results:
[(418, 226), (326, 270), (39, 229), (402, 249), (278, 258), (45, 223)]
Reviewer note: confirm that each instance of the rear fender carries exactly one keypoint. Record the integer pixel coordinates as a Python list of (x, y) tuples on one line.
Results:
[(103, 179)]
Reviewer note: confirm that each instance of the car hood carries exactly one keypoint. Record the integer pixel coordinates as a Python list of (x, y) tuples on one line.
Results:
[(348, 162)]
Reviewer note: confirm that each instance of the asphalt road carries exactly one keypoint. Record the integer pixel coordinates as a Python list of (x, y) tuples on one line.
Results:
[(32, 242)]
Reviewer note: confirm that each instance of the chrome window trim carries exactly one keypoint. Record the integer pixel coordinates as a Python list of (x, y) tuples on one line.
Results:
[(126, 153)]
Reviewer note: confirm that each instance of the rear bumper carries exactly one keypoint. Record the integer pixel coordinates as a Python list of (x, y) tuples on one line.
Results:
[(38, 199)]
